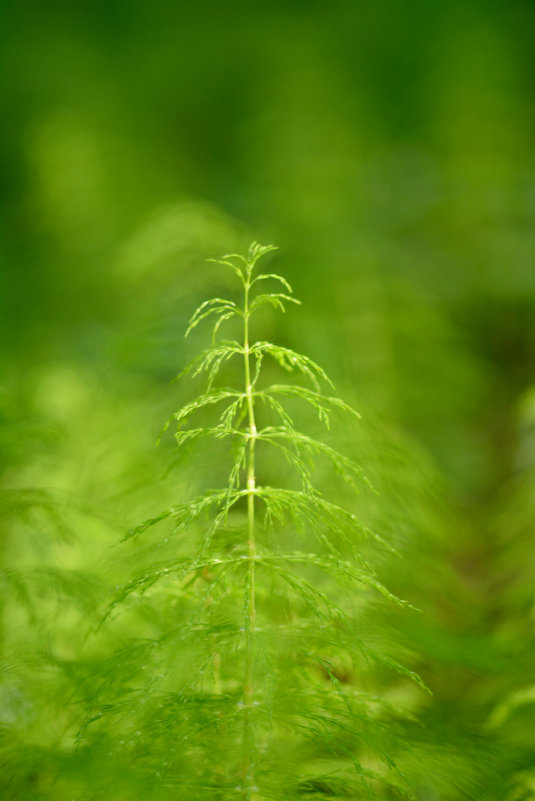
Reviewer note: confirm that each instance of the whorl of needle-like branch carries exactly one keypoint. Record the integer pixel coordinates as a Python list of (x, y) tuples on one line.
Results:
[(252, 540)]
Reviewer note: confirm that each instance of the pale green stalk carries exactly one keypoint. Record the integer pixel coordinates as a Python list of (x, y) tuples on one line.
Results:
[(248, 688)]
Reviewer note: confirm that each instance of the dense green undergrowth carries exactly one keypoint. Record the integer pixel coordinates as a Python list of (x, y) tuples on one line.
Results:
[(253, 637)]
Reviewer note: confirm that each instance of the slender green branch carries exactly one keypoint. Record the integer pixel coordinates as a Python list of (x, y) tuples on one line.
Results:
[(248, 686)]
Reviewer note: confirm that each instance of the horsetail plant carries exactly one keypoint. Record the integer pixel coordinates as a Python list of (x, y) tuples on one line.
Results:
[(251, 682)]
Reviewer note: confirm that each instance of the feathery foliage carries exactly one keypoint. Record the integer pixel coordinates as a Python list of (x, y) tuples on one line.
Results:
[(253, 679)]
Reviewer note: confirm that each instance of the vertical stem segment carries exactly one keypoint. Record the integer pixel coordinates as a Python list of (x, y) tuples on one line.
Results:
[(248, 688)]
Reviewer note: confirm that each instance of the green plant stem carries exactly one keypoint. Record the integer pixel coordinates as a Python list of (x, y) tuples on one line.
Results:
[(248, 688)]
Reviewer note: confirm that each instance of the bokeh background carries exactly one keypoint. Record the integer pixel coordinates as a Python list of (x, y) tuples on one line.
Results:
[(388, 150)]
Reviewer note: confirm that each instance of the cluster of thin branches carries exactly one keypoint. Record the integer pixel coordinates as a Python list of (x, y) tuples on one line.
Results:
[(264, 586)]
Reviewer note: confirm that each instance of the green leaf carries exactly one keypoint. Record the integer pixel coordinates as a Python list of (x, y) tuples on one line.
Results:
[(225, 261), (219, 306), (322, 403), (211, 360), (275, 277), (345, 467), (275, 299), (290, 360), (256, 251)]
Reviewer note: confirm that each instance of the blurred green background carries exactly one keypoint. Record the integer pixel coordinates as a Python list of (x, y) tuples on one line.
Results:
[(387, 148)]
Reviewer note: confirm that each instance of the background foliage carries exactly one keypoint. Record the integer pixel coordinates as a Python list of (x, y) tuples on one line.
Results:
[(387, 148)]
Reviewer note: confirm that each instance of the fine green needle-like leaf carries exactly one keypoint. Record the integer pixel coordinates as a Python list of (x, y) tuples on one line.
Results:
[(251, 682)]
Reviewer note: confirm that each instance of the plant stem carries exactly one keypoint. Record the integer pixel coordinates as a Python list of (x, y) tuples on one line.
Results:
[(248, 689)]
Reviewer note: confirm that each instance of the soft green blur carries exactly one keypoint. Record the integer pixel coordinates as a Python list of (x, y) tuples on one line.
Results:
[(387, 148)]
